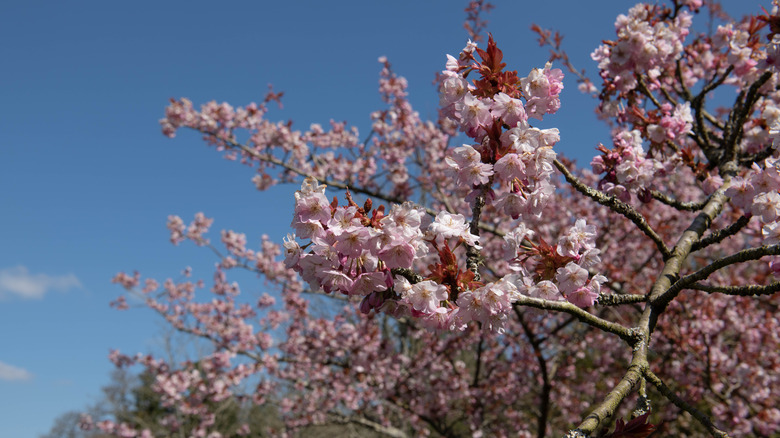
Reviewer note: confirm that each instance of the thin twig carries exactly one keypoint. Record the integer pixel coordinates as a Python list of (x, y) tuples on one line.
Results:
[(721, 234), (702, 274), (622, 332), (744, 291), (618, 299), (685, 406), (668, 200), (536, 344)]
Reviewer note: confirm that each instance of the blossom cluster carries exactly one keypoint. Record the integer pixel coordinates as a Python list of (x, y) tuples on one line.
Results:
[(644, 44), (365, 253), (626, 167), (509, 153), (186, 390), (560, 272), (350, 252), (757, 193)]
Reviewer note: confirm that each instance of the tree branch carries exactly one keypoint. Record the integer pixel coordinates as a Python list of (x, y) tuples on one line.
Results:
[(685, 406), (702, 274), (687, 206), (615, 205), (618, 299), (544, 406), (744, 291), (661, 293), (739, 114), (376, 427), (232, 144), (623, 333), (721, 234), (658, 300), (606, 409)]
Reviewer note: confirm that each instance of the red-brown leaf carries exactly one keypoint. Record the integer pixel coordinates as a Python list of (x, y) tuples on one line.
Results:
[(636, 428)]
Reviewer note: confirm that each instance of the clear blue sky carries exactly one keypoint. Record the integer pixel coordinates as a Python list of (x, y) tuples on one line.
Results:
[(87, 180)]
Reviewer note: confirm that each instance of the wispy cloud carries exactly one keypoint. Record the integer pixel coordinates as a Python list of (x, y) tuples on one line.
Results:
[(19, 281), (12, 373)]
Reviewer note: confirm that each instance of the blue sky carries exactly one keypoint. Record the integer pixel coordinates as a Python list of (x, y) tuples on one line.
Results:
[(87, 180)]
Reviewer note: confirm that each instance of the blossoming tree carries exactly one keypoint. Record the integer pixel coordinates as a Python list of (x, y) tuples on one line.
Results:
[(489, 287)]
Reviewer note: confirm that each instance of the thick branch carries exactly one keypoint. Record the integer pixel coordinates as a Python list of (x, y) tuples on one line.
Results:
[(606, 409), (661, 293), (376, 427)]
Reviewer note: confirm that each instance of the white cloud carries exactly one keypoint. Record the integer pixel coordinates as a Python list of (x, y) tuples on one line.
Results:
[(12, 373), (19, 281)]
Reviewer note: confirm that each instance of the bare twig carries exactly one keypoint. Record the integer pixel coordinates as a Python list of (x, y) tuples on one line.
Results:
[(721, 234), (622, 332), (750, 290), (618, 299), (685, 406), (687, 206), (702, 274)]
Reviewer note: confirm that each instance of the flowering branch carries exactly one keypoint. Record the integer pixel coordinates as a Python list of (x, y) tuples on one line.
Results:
[(428, 268), (617, 206)]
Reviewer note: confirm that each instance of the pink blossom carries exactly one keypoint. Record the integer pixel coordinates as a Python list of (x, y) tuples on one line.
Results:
[(368, 282), (771, 233), (352, 242), (448, 225), (582, 297), (545, 290), (510, 166), (571, 277), (398, 254), (425, 296), (509, 110), (579, 236), (474, 114), (467, 167)]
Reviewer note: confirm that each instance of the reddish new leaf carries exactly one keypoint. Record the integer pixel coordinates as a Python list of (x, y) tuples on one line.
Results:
[(636, 428)]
